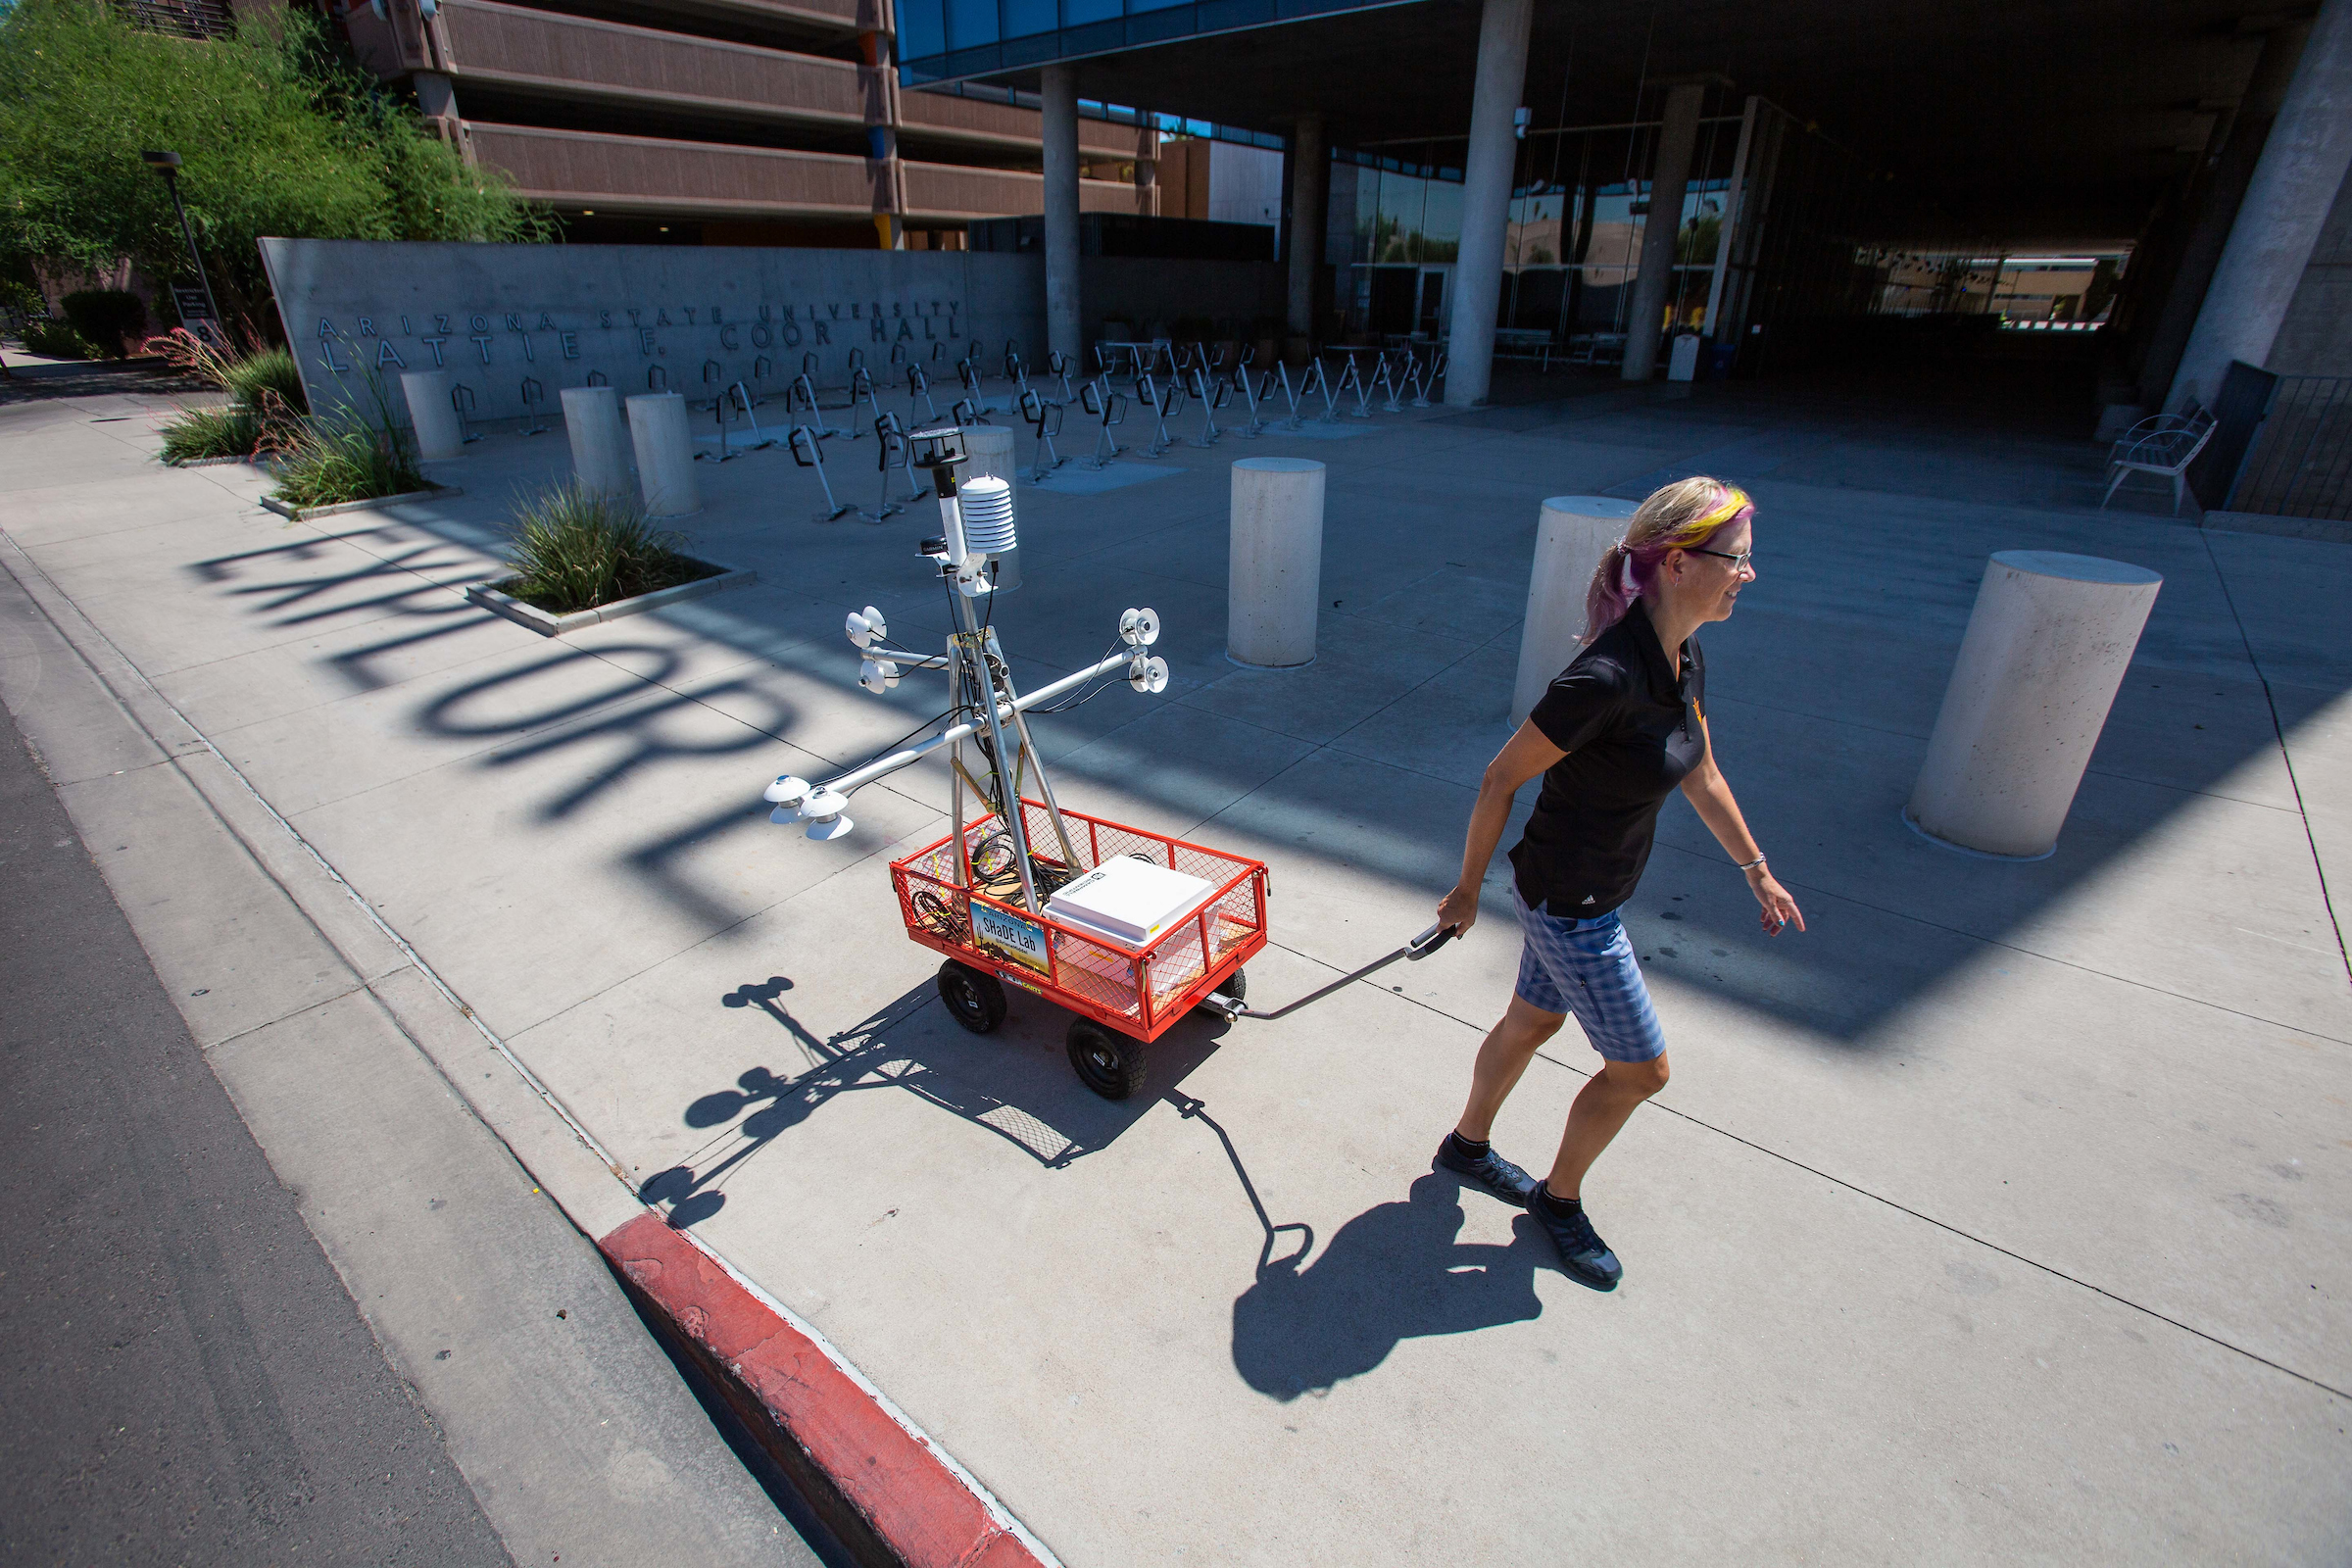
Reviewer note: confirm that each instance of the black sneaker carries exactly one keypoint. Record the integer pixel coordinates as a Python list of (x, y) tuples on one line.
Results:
[(1493, 1174), (1585, 1257)]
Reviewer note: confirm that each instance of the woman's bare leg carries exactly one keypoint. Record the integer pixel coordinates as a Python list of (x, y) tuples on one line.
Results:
[(1600, 1110), (1509, 1046)]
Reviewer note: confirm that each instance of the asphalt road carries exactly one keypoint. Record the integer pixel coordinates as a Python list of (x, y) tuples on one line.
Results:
[(184, 1377)]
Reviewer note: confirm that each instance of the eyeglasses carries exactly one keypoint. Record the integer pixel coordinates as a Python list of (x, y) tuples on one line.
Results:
[(1740, 563)]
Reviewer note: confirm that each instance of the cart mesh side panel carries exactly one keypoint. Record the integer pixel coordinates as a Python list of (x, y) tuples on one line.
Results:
[(932, 901)]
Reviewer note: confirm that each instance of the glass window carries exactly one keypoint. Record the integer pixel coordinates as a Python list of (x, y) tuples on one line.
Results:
[(1134, 6), (971, 23), (922, 29), (1078, 13), (1027, 18)]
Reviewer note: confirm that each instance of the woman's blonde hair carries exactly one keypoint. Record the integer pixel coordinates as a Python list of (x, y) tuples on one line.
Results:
[(1682, 516)]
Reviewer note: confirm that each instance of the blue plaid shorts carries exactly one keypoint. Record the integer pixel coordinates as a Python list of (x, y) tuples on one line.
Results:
[(1586, 967)]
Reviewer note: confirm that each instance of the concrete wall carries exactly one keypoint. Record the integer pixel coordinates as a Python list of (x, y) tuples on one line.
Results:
[(2315, 338), (700, 316)]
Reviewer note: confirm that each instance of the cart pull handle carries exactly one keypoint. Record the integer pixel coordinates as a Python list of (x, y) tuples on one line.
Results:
[(1421, 947)]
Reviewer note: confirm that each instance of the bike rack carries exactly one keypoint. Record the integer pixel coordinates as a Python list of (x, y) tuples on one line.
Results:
[(804, 389), (918, 385), (1046, 420), (761, 368), (862, 387), (1096, 398), (1315, 379), (1352, 381), (1057, 365), (657, 379), (461, 398), (1387, 383), (887, 426), (741, 395), (534, 396), (1163, 401), (597, 378), (1212, 399), (964, 412), (809, 450), (886, 441), (1017, 372), (974, 383)]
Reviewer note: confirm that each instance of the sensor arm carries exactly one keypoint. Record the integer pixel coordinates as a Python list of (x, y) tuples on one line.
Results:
[(790, 792)]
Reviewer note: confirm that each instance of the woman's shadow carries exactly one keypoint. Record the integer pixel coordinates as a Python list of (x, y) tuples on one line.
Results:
[(1394, 1272)]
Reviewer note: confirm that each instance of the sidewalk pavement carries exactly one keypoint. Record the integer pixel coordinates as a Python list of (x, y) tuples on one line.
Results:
[(2003, 1216)]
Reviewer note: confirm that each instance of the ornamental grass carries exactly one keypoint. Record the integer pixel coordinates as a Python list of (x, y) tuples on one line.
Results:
[(574, 548)]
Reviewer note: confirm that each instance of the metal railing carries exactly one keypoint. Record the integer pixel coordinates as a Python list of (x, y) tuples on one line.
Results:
[(2300, 464)]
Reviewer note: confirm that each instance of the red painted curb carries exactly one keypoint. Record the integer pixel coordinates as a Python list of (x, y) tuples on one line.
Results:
[(893, 1497)]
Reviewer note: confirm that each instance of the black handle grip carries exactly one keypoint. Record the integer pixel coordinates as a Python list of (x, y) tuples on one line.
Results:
[(1430, 940)]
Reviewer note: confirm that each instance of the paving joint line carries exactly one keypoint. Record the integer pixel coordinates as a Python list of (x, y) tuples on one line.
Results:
[(1877, 1198), (2285, 757)]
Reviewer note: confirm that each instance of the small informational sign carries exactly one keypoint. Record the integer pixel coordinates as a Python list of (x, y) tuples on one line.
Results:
[(191, 304), (1008, 935)]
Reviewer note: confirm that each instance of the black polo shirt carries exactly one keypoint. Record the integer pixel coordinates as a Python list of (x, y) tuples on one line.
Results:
[(1632, 734)]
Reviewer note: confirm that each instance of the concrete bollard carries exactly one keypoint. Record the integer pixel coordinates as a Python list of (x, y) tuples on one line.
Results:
[(1274, 585), (432, 416), (990, 447), (600, 442), (2047, 646), (665, 453), (1571, 532)]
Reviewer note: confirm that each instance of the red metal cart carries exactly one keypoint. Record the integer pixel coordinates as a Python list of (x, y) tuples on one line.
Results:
[(1124, 996)]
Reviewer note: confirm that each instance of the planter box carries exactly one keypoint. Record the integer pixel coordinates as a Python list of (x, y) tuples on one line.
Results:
[(438, 492), (548, 625)]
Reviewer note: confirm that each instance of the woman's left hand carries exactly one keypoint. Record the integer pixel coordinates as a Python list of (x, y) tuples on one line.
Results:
[(1780, 910)]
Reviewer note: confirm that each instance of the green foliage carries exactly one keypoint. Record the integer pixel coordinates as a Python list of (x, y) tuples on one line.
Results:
[(575, 548), (329, 462), (109, 318), (346, 456), (211, 432), (263, 380), (52, 339), (280, 135)]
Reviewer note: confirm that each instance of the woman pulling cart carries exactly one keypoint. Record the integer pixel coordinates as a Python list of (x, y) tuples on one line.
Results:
[(1621, 727)]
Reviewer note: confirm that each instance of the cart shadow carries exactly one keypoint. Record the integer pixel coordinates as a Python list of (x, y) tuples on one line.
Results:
[(1394, 1272), (1015, 1082)]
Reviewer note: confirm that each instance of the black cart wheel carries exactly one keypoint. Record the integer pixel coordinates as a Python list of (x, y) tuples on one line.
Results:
[(975, 998), (1109, 1063)]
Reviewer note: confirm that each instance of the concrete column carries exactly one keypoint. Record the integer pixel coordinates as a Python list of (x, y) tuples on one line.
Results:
[(1571, 532), (991, 449), (1487, 165), (600, 442), (430, 413), (665, 453), (1311, 195), (2047, 647), (2294, 184), (2224, 189), (1275, 582), (1064, 329), (1653, 284)]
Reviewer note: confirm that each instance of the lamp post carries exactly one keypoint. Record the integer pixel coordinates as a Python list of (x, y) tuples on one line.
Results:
[(166, 163)]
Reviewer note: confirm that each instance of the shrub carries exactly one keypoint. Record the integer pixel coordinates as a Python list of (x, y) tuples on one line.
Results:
[(52, 339), (325, 463), (265, 379), (110, 318), (575, 548), (264, 400), (216, 432)]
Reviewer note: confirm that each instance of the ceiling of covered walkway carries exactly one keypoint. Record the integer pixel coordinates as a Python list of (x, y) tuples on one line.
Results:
[(2018, 122)]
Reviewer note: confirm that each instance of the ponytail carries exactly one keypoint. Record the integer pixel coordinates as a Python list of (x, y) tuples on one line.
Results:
[(1676, 517)]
